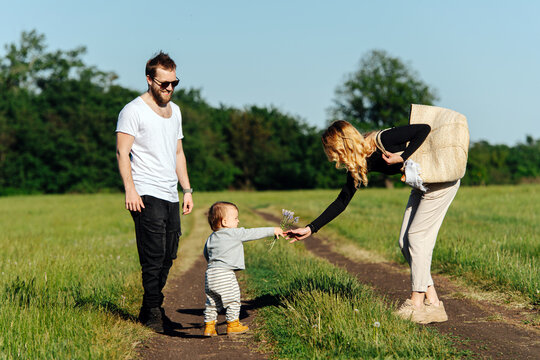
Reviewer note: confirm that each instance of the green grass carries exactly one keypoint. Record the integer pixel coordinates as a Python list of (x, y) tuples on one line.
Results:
[(490, 236), (321, 312), (311, 309), (70, 278)]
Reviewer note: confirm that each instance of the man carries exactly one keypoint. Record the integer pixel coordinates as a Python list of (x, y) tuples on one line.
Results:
[(151, 162)]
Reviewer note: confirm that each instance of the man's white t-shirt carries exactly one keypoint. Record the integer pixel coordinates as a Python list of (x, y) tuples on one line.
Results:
[(153, 154)]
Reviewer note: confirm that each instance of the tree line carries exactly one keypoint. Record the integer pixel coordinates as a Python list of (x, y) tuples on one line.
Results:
[(58, 118)]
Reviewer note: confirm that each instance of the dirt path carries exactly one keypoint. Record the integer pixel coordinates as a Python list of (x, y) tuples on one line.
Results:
[(184, 304), (488, 330)]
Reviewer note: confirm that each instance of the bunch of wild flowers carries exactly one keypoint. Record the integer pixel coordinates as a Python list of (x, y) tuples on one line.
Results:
[(287, 222), (288, 219)]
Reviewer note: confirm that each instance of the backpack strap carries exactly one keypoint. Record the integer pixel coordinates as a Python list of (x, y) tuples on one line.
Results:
[(378, 141)]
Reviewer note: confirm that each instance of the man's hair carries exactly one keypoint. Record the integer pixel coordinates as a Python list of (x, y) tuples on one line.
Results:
[(161, 60), (217, 212)]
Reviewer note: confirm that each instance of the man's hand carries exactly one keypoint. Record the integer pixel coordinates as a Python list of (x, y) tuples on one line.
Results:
[(299, 234), (187, 205), (134, 201)]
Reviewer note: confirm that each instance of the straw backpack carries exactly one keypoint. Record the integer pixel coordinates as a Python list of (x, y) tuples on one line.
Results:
[(443, 155)]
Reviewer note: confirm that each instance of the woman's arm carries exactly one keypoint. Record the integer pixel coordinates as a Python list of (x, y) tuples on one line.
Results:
[(396, 139), (331, 212)]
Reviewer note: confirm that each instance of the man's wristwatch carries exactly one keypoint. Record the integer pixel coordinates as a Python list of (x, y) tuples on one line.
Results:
[(187, 191)]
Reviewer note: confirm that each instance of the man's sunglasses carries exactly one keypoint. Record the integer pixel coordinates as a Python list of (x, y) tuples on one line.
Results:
[(165, 84)]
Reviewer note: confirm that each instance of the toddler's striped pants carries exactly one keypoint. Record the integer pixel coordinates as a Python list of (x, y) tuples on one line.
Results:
[(222, 292)]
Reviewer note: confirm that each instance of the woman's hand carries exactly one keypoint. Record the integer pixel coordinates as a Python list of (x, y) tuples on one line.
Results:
[(299, 234), (392, 158)]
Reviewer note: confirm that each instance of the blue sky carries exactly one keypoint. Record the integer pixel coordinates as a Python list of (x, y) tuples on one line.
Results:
[(482, 57)]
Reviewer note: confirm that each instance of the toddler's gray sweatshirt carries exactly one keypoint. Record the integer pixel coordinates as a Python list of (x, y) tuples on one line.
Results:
[(224, 248)]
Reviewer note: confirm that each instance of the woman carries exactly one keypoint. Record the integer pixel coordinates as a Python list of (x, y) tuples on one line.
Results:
[(424, 213)]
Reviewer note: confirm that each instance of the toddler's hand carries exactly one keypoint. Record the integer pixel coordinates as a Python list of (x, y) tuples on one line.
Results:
[(278, 232)]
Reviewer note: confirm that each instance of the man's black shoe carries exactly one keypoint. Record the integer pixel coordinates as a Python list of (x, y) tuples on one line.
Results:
[(152, 319)]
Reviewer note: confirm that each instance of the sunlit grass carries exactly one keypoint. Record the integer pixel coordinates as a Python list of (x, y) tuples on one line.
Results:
[(319, 311), (311, 309), (70, 277), (490, 236)]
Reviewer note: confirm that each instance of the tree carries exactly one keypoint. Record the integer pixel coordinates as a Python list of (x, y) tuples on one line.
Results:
[(379, 93), (524, 160), (56, 120), (206, 147), (58, 116)]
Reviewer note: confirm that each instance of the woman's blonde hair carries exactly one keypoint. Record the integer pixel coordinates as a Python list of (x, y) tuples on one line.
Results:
[(349, 149)]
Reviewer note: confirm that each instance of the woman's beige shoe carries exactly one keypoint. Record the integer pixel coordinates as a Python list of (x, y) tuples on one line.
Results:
[(409, 311), (434, 313)]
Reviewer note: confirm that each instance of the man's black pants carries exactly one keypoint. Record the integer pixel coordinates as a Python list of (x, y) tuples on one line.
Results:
[(157, 228)]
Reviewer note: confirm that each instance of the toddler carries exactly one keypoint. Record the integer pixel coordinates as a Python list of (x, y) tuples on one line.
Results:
[(224, 251)]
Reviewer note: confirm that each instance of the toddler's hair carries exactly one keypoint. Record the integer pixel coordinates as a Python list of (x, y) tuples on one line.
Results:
[(217, 212)]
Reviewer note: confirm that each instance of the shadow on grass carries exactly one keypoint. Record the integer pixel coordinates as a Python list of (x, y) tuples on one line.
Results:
[(260, 302), (105, 305), (25, 292)]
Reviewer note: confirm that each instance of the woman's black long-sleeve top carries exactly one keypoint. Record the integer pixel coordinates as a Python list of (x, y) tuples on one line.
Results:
[(394, 140)]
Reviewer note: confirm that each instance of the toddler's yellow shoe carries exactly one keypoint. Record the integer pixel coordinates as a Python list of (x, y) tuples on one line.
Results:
[(235, 327), (210, 328)]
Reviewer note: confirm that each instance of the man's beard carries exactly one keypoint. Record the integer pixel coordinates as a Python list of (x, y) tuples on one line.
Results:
[(159, 97)]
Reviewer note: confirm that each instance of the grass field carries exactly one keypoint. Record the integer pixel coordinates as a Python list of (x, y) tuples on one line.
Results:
[(70, 285), (490, 236), (69, 278), (321, 312)]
